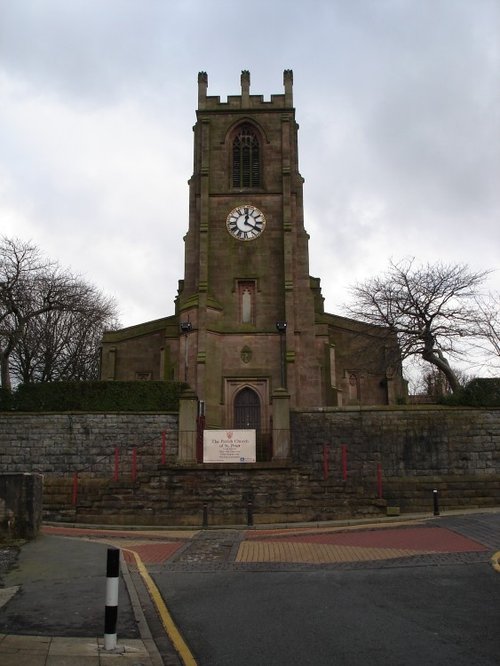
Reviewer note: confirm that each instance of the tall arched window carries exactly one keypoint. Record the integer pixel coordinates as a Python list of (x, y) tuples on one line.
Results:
[(246, 157)]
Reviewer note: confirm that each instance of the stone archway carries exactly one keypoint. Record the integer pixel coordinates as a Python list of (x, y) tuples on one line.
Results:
[(246, 410), (248, 415)]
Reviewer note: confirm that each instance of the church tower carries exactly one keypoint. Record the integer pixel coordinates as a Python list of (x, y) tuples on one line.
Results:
[(247, 304), (249, 334)]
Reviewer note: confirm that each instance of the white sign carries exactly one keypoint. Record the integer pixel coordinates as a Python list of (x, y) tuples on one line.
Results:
[(229, 446)]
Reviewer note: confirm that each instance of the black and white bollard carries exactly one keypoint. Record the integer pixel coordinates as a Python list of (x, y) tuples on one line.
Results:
[(205, 514), (435, 496), (111, 610), (249, 513)]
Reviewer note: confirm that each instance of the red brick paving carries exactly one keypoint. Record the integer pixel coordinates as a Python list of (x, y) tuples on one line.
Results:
[(62, 530), (436, 539), (259, 534), (157, 548), (152, 553), (83, 531), (152, 548)]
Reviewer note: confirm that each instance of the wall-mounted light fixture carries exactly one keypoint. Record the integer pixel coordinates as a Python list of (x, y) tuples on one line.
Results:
[(186, 327), (281, 328)]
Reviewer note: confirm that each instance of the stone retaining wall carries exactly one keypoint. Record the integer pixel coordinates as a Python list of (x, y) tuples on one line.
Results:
[(181, 496), (465, 491), (407, 441), (20, 505), (415, 449), (453, 450), (61, 444)]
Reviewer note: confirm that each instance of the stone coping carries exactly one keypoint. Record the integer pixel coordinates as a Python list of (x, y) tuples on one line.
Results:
[(256, 467)]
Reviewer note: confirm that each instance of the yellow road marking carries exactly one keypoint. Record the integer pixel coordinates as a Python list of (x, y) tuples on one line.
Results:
[(166, 619), (495, 561)]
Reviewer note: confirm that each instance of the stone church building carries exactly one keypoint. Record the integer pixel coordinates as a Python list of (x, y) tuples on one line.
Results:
[(249, 327)]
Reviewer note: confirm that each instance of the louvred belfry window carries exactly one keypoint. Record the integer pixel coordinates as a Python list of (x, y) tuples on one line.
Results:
[(246, 158)]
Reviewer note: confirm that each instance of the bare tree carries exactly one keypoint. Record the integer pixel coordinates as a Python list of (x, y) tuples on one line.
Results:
[(31, 289), (63, 346), (488, 328), (430, 308)]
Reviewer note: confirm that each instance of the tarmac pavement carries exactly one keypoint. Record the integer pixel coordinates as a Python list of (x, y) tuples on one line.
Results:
[(52, 600), (54, 608)]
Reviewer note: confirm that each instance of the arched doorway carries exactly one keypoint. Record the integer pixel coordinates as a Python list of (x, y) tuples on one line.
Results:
[(247, 410), (247, 416)]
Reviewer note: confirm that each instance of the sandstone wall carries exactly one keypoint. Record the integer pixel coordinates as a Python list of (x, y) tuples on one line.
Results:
[(417, 449), (61, 444), (407, 441), (20, 505), (406, 452)]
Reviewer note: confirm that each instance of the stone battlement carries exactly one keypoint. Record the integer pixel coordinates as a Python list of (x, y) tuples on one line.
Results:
[(245, 100)]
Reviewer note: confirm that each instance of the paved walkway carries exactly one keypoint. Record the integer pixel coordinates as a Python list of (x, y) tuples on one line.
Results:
[(328, 544), (307, 545), (366, 546), (59, 651)]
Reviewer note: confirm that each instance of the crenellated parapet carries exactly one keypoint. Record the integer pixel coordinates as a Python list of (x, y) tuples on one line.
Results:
[(245, 100)]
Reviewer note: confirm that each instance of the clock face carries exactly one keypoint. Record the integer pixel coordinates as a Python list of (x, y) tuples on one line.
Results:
[(246, 222)]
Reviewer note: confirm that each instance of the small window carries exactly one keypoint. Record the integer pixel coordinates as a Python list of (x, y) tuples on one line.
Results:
[(246, 158), (353, 387), (246, 299)]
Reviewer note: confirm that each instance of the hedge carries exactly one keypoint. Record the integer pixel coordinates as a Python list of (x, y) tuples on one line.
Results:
[(479, 392), (95, 396)]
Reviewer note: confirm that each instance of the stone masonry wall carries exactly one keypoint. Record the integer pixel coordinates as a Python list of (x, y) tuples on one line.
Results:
[(417, 449), (409, 450), (20, 505), (62, 444), (406, 441), (180, 495)]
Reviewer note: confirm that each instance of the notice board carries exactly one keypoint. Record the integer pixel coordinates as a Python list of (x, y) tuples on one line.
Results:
[(229, 446)]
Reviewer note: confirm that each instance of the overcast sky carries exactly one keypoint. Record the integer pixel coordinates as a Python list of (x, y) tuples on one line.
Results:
[(397, 101)]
